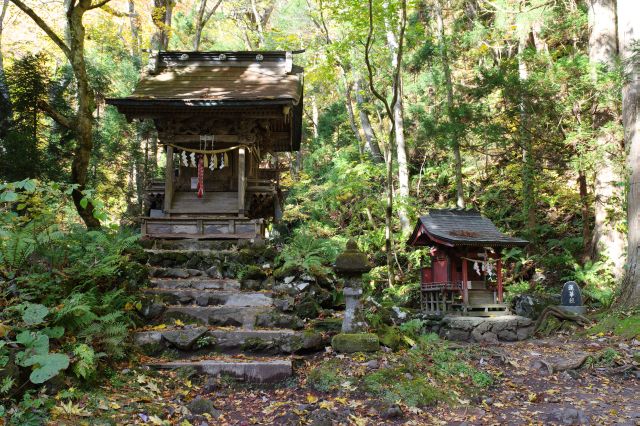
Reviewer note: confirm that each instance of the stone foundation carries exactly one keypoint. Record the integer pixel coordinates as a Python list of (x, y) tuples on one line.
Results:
[(507, 328)]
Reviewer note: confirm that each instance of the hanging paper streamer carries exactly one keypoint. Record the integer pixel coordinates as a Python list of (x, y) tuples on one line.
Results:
[(193, 159), (214, 159), (225, 160), (212, 163), (185, 162), (206, 161), (200, 177)]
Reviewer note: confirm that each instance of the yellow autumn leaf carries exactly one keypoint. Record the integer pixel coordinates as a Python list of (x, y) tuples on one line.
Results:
[(159, 327), (178, 323), (312, 399), (327, 405), (341, 400), (114, 406)]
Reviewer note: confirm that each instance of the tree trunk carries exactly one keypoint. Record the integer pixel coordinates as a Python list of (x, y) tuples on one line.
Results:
[(455, 143), (401, 150), (528, 163), (134, 24), (371, 142), (352, 118), (82, 123), (6, 111), (584, 201), (161, 15), (314, 116), (199, 25), (607, 241), (628, 33), (202, 17), (84, 115)]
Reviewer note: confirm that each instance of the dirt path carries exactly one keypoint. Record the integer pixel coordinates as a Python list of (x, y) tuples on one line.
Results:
[(523, 393)]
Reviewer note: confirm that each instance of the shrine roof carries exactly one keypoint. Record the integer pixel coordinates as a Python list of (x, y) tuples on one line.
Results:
[(206, 79), (455, 227)]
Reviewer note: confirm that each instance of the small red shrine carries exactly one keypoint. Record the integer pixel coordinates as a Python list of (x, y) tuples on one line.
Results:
[(464, 274)]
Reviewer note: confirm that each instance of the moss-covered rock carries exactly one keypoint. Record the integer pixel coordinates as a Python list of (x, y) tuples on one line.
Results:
[(355, 342), (307, 308), (279, 320), (328, 325), (253, 272), (258, 345), (390, 337)]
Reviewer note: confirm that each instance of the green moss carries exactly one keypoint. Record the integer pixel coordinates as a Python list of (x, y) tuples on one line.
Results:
[(390, 337), (252, 272), (355, 342), (256, 344), (329, 325), (325, 377), (393, 384), (627, 327)]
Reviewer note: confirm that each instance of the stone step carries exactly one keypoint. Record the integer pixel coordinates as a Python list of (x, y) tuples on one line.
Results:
[(235, 316), (251, 370), (248, 317), (176, 273), (187, 244), (181, 296), (204, 340), (200, 283)]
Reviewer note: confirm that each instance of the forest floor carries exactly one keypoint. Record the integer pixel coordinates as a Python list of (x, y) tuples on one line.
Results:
[(523, 391)]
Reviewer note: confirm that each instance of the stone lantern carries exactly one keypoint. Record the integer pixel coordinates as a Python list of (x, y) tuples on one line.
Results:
[(350, 266)]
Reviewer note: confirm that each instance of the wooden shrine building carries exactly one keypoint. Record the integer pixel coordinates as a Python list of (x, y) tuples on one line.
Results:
[(465, 271), (223, 118)]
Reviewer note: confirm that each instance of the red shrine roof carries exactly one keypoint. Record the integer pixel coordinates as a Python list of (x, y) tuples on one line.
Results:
[(454, 227)]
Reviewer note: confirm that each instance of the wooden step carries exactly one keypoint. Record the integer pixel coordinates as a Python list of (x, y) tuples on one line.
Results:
[(251, 370)]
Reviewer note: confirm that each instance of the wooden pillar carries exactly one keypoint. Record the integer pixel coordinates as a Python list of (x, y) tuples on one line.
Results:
[(241, 180), (499, 274), (465, 287), (168, 180)]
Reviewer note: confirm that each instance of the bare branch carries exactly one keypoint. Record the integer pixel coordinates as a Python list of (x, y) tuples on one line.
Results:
[(43, 25), (210, 13), (98, 5), (61, 119)]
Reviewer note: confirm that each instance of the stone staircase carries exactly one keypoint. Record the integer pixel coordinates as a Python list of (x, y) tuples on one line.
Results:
[(204, 312)]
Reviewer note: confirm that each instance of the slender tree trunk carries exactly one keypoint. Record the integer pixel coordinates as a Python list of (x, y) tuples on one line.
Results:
[(352, 118), (6, 110), (607, 239), (371, 142), (84, 115), (401, 150), (199, 25), (314, 116), (584, 201), (161, 15), (455, 143), (528, 164), (202, 17), (628, 36), (134, 24)]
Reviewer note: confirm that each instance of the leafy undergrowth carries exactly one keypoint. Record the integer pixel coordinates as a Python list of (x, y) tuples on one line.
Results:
[(625, 324), (431, 372)]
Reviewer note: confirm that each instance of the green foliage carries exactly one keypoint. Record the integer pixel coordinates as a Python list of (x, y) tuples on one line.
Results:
[(325, 377), (597, 279), (306, 253), (69, 291)]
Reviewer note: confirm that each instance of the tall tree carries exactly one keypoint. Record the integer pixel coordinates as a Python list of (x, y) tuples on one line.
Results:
[(401, 149), (607, 238), (202, 17), (82, 123), (455, 142), (389, 107), (5, 101), (628, 38), (161, 15)]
